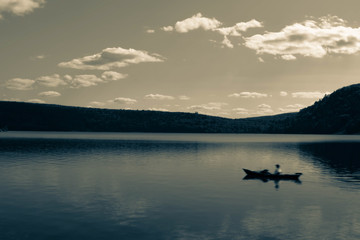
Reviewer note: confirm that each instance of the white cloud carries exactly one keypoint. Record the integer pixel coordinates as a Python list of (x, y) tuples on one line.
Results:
[(264, 109), (19, 7), (288, 57), (241, 111), (158, 109), (159, 97), (198, 21), (20, 84), (35, 101), (168, 28), (264, 106), (292, 108), (184, 98), (150, 31), (50, 94), (238, 28), (227, 43), (248, 95), (111, 58), (309, 94), (51, 81), (208, 106), (97, 104), (122, 100), (112, 76), (311, 38), (283, 94), (85, 81), (195, 22)]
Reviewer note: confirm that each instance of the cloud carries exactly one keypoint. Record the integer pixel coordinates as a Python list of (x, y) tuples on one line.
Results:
[(39, 57), (111, 58), (97, 104), (113, 76), (264, 109), (292, 108), (184, 98), (35, 101), (198, 21), (122, 100), (20, 84), (311, 38), (85, 81), (283, 94), (238, 28), (227, 43), (248, 95), (208, 106), (19, 7), (158, 109), (150, 31), (53, 80), (50, 94), (158, 97), (241, 111), (168, 28), (309, 94)]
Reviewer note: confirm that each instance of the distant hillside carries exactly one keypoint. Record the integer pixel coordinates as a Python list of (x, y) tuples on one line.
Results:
[(336, 113)]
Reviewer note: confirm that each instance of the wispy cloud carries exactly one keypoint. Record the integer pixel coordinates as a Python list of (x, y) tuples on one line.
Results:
[(283, 94), (122, 100), (50, 94), (208, 106), (292, 108), (35, 100), (112, 58), (241, 111), (53, 80), (21, 84), (184, 98), (86, 80), (311, 38), (112, 76), (198, 21), (264, 109), (159, 109), (158, 97), (309, 94), (19, 7), (248, 95), (97, 104)]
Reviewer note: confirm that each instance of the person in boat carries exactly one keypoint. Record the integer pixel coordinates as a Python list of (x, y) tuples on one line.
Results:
[(277, 169)]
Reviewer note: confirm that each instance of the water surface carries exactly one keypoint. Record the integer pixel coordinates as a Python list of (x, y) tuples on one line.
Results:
[(177, 186)]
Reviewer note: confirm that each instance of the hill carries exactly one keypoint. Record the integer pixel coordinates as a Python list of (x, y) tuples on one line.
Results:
[(334, 114)]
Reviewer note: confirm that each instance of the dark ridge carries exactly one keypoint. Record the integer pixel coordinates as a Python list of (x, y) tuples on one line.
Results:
[(338, 113)]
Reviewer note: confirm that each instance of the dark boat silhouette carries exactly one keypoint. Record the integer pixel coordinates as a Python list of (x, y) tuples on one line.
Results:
[(264, 174)]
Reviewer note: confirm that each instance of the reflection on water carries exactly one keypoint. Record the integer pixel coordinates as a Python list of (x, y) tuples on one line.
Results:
[(340, 159), (275, 181), (154, 186)]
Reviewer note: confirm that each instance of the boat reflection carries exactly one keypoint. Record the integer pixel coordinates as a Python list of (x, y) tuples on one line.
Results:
[(276, 181)]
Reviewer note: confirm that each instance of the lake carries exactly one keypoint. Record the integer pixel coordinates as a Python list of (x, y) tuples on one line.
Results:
[(177, 186)]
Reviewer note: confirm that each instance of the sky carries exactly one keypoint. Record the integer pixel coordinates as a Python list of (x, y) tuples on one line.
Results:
[(231, 58)]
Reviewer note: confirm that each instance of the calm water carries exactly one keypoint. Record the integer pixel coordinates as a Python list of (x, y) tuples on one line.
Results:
[(177, 186)]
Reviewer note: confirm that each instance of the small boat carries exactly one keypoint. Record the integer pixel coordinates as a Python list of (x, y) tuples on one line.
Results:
[(265, 174)]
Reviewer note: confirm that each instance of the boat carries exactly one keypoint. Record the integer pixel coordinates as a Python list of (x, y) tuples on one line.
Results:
[(265, 174)]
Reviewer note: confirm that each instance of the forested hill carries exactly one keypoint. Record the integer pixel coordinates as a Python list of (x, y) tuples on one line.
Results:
[(336, 113)]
